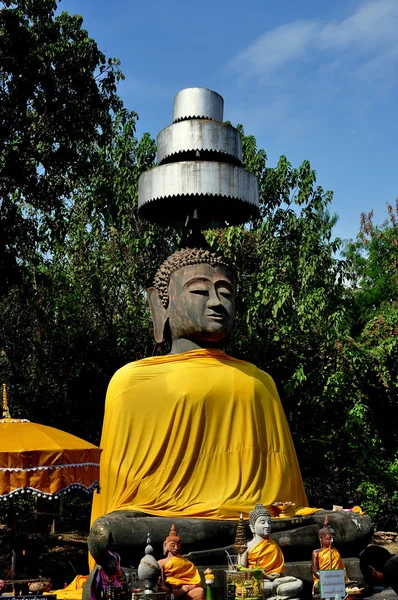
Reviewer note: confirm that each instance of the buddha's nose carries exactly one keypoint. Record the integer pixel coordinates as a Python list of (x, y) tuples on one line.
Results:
[(214, 299)]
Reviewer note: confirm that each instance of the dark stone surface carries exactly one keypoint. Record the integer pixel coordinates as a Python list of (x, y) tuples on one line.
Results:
[(353, 533), (129, 532), (204, 541)]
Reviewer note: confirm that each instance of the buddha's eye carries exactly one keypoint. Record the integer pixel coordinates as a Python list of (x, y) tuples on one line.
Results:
[(225, 293), (201, 292)]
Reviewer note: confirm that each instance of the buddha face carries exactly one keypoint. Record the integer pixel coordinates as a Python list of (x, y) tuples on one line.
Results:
[(201, 302), (326, 540), (173, 547), (110, 566), (262, 526)]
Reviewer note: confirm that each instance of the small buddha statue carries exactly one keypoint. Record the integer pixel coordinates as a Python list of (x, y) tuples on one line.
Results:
[(327, 556), (179, 575), (109, 581), (264, 553)]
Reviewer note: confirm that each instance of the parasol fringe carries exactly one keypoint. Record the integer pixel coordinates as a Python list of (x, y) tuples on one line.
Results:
[(40, 493), (48, 467)]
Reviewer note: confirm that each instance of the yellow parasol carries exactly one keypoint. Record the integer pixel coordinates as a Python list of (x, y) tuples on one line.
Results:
[(43, 460)]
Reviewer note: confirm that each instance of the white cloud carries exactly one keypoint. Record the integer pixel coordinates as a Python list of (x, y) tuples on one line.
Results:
[(276, 47), (374, 24), (369, 34)]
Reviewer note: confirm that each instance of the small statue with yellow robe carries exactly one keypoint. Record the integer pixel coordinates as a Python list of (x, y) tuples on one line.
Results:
[(326, 557), (264, 553), (179, 575)]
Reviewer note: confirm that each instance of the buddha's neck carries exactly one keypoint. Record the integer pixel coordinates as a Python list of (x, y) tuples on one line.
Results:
[(185, 345)]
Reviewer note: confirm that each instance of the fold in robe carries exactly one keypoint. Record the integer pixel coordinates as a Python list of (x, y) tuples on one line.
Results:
[(181, 571), (267, 555), (330, 559)]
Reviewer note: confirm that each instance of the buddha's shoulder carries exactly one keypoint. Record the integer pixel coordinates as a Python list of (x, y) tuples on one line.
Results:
[(153, 367), (251, 370), (134, 368)]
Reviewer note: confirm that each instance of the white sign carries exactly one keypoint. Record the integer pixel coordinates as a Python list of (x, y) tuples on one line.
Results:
[(332, 583)]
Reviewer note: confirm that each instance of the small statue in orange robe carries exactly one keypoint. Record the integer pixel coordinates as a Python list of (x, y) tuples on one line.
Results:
[(327, 556), (263, 552), (179, 575)]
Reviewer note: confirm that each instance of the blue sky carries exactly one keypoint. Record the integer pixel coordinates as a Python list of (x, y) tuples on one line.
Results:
[(311, 79)]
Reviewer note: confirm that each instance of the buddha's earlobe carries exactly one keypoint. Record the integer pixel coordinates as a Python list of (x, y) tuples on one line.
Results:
[(158, 313)]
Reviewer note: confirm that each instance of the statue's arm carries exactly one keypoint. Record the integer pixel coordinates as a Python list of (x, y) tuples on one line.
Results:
[(163, 584), (272, 575), (315, 563), (242, 559)]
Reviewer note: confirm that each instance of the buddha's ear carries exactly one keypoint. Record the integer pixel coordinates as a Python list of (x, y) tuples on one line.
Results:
[(158, 313)]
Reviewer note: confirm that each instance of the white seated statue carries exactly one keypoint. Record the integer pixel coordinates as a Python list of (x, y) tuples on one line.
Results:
[(263, 552)]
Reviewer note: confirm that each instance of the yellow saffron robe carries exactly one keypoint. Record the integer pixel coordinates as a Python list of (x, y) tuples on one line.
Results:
[(180, 571), (197, 434), (330, 560), (267, 555), (73, 591)]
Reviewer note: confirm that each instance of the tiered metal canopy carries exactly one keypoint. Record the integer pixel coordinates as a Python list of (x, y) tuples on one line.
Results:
[(199, 173)]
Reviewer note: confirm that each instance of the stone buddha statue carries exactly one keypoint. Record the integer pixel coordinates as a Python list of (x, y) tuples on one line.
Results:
[(194, 437), (179, 575), (327, 556), (264, 553)]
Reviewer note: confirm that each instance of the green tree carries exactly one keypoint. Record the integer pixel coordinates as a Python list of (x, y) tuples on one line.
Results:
[(57, 95), (86, 314), (372, 261), (366, 367)]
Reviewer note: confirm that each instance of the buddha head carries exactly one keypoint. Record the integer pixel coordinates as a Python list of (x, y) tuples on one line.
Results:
[(111, 563), (326, 534), (172, 544), (193, 297), (260, 521)]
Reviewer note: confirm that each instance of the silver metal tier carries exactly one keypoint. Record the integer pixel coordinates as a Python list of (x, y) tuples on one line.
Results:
[(188, 137), (198, 103), (221, 193)]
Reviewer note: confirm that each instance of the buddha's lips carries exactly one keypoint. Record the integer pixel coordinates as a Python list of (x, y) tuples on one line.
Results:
[(217, 317)]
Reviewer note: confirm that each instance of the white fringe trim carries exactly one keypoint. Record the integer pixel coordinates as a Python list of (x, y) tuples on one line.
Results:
[(40, 494), (45, 468)]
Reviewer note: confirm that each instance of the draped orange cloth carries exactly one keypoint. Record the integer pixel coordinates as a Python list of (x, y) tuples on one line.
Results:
[(267, 555), (73, 591), (330, 559), (180, 571), (197, 434)]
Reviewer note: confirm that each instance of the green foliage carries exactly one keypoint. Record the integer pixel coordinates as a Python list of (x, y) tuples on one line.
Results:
[(82, 314), (372, 261), (57, 93), (366, 367)]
